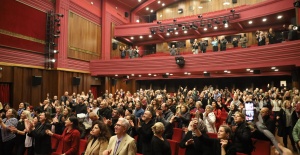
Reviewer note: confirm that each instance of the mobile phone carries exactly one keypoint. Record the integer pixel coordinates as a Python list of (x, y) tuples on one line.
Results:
[(249, 106)]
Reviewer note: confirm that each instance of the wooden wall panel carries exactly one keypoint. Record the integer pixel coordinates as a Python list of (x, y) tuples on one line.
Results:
[(53, 82), (6, 74), (191, 7)]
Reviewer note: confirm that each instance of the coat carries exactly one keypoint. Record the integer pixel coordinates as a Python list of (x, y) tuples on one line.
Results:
[(126, 147), (97, 148)]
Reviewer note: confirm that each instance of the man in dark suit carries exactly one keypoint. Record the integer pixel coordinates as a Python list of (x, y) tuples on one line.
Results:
[(65, 97)]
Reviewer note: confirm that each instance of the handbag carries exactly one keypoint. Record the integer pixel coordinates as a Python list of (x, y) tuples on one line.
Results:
[(28, 141)]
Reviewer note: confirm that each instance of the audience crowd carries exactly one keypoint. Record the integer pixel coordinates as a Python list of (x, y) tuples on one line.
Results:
[(127, 123)]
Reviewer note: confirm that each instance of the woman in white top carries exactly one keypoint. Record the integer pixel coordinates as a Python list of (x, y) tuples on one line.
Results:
[(276, 104), (209, 119)]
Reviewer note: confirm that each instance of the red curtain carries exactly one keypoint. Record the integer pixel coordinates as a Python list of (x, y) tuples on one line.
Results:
[(94, 91), (4, 93)]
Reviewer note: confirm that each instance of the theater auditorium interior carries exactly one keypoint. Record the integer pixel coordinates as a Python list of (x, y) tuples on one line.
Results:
[(48, 47)]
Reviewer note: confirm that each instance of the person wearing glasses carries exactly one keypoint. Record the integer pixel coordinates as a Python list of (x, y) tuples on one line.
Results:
[(121, 143)]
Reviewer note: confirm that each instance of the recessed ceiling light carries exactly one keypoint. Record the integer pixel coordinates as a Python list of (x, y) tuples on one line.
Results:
[(116, 75), (137, 20), (176, 32), (167, 74), (185, 73), (154, 75), (163, 4), (168, 34), (265, 19), (139, 0), (150, 36), (273, 67), (149, 74), (158, 2), (279, 17), (226, 3), (276, 70), (151, 10), (185, 31), (116, 7), (226, 25), (171, 74), (215, 27), (205, 29), (250, 22), (225, 71), (132, 74), (251, 71), (140, 75), (160, 15), (147, 8), (92, 3), (205, 72), (200, 7), (189, 73), (228, 71), (141, 37), (248, 69), (131, 38)]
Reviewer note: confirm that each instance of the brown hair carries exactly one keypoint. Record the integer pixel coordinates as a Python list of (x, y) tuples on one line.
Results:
[(104, 131)]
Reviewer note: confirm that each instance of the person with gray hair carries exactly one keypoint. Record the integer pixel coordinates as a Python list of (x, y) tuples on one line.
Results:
[(121, 143), (209, 119)]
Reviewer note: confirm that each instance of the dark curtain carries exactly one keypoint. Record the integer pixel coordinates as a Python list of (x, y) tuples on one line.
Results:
[(4, 93), (94, 91)]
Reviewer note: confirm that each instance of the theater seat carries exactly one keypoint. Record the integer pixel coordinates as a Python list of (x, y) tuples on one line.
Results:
[(212, 135), (181, 151), (82, 146), (177, 134), (174, 146), (261, 147)]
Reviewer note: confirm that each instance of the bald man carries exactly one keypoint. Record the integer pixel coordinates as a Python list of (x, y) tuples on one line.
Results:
[(268, 122), (145, 133)]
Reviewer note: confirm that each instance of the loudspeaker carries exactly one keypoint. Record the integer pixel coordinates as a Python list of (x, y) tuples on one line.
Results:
[(113, 82), (165, 76), (207, 74), (114, 46), (180, 61), (75, 81), (126, 14), (256, 71), (36, 80), (234, 1)]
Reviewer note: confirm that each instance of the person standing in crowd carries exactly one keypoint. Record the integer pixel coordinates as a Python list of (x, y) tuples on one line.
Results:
[(80, 107), (209, 119), (42, 141), (292, 35), (195, 47), (122, 52), (8, 138), (104, 111), (145, 133), (296, 130), (241, 135), (70, 137), (138, 111), (21, 132), (260, 37), (220, 146), (21, 108), (183, 117), (98, 140), (159, 145), (268, 122), (244, 41), (121, 143), (271, 36), (235, 42), (203, 45), (130, 52), (286, 123), (136, 52), (65, 97), (215, 43), (223, 43), (173, 50)]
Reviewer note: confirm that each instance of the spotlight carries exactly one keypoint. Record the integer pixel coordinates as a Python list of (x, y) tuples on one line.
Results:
[(297, 4), (232, 10), (161, 29), (217, 22), (158, 22), (58, 24), (296, 28), (55, 35), (180, 61), (53, 44), (202, 25), (225, 21), (195, 27), (57, 20), (208, 25), (170, 29), (174, 20), (153, 31), (199, 16), (183, 28), (52, 60), (57, 31), (60, 15), (179, 25), (55, 51)]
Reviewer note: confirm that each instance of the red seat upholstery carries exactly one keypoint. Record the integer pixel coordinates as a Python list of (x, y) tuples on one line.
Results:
[(181, 151), (82, 146), (138, 154), (261, 147), (177, 134), (212, 135), (174, 146)]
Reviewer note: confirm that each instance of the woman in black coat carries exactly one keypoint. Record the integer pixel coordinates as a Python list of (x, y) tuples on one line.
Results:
[(220, 146), (159, 145)]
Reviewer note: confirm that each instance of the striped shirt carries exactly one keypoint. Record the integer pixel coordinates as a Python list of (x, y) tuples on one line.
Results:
[(6, 134)]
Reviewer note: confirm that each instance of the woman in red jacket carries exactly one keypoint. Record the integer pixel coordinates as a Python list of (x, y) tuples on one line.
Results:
[(70, 138)]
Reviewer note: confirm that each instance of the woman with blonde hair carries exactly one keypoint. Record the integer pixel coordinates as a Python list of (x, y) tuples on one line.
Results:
[(20, 132), (159, 145)]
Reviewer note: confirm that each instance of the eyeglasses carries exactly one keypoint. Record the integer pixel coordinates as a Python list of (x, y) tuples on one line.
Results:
[(118, 125)]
